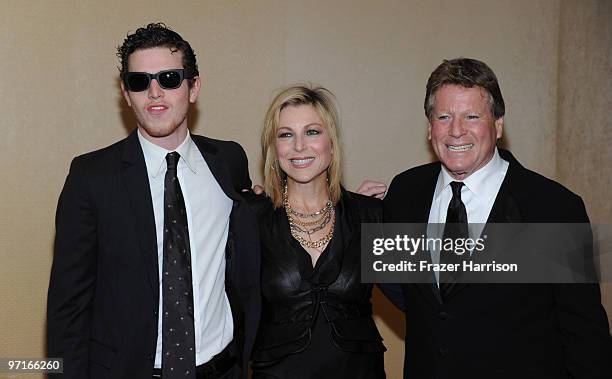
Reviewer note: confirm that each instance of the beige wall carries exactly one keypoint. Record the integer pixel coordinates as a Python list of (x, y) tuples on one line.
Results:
[(584, 133), (59, 98)]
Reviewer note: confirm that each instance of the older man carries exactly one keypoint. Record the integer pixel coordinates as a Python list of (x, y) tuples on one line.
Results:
[(489, 330)]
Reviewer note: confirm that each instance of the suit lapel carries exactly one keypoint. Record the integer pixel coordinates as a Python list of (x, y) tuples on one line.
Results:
[(424, 195), (505, 208), (217, 166), (421, 208), (137, 184)]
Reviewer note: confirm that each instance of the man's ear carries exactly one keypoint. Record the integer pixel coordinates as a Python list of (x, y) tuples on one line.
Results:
[(194, 90), (125, 94), (429, 130), (499, 127)]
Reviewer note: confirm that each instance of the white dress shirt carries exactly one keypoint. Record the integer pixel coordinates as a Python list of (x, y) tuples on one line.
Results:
[(208, 211), (478, 194)]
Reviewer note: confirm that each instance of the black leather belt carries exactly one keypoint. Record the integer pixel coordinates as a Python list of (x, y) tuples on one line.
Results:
[(218, 366)]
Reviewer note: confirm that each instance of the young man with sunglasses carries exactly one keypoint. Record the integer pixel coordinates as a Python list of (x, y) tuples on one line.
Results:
[(155, 270)]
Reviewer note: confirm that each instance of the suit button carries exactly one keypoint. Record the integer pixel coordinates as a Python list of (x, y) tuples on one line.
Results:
[(444, 316), (442, 352)]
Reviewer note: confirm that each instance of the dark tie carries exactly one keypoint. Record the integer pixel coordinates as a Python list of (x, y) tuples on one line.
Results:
[(178, 341), (456, 226)]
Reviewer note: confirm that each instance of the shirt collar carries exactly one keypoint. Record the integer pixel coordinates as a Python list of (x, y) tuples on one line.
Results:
[(155, 156), (477, 182)]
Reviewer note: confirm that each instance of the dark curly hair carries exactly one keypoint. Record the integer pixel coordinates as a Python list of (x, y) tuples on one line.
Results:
[(157, 35)]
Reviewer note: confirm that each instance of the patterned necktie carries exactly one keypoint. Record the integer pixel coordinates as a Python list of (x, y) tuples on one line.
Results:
[(178, 340), (456, 227)]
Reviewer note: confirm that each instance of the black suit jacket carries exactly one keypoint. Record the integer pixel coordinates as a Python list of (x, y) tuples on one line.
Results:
[(104, 288), (500, 330)]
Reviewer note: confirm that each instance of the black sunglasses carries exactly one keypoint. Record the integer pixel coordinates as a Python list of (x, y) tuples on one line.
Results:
[(167, 79)]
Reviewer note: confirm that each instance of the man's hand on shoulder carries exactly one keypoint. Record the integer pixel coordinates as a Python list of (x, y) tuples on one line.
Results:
[(257, 189), (372, 188)]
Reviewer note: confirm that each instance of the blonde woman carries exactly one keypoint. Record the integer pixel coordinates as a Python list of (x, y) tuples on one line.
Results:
[(316, 317)]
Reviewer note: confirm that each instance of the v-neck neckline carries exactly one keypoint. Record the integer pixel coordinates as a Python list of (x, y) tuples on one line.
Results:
[(307, 269)]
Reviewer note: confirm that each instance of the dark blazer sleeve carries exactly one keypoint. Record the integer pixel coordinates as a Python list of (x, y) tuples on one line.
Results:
[(243, 179), (374, 209), (73, 275), (245, 277), (393, 291), (582, 320)]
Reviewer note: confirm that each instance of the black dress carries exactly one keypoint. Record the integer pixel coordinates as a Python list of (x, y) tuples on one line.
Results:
[(316, 321)]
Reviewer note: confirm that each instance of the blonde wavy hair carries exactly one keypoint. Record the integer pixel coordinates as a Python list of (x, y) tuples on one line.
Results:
[(324, 103)]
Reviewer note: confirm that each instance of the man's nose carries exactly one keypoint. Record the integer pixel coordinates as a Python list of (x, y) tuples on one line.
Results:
[(155, 91), (457, 128)]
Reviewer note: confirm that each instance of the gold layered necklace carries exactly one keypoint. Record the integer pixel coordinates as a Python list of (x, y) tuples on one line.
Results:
[(303, 223)]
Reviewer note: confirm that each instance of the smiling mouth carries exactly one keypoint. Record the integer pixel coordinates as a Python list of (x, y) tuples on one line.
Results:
[(460, 148), (301, 161)]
